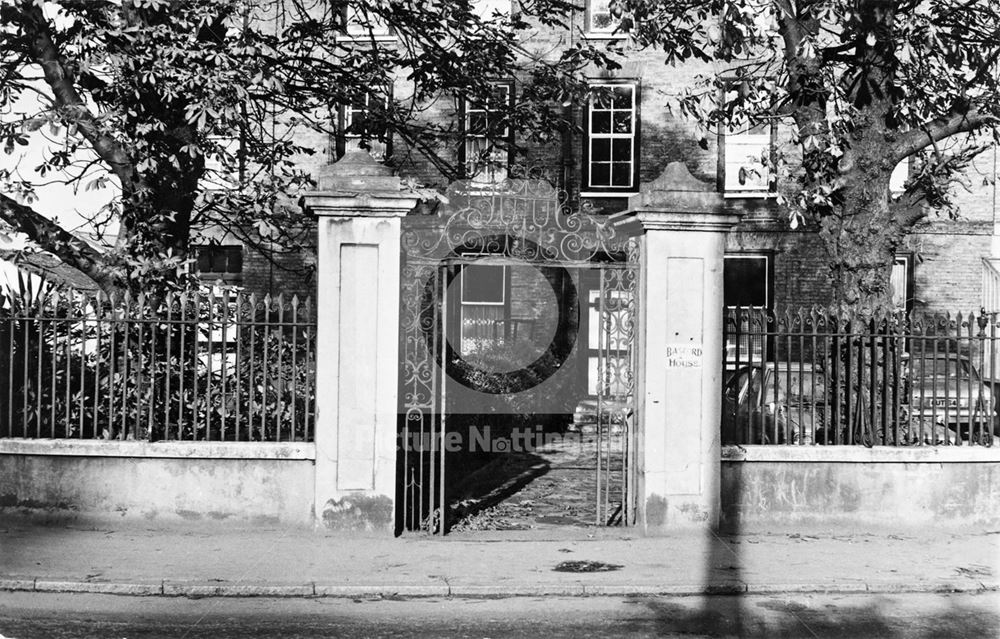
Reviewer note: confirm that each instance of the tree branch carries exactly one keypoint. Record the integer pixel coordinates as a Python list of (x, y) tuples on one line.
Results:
[(52, 238), (810, 114), (909, 208), (46, 54), (958, 120)]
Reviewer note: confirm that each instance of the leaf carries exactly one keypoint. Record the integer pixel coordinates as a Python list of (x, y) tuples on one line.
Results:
[(905, 53), (34, 124)]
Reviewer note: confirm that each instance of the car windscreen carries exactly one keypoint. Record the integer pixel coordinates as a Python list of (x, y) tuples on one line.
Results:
[(795, 385), (941, 368)]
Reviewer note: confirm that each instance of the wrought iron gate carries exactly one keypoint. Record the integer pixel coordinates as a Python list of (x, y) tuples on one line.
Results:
[(591, 268)]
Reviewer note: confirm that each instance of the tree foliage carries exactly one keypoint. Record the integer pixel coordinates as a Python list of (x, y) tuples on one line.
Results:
[(864, 85), (193, 111)]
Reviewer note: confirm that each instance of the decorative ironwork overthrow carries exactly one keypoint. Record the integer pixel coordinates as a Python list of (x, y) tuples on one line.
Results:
[(524, 219)]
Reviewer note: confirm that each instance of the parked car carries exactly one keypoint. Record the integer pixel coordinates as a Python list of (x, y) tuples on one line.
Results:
[(767, 404), (942, 399), (946, 389)]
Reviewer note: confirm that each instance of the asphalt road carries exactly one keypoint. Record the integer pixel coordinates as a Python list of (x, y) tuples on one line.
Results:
[(914, 616)]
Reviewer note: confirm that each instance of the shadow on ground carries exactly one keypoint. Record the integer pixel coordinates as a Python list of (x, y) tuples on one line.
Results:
[(829, 617)]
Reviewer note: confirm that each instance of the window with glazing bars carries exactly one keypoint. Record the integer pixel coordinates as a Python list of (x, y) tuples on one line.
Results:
[(483, 307), (486, 149), (219, 261), (612, 141), (363, 125)]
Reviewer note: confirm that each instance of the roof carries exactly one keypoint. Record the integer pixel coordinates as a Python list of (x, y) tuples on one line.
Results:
[(51, 268)]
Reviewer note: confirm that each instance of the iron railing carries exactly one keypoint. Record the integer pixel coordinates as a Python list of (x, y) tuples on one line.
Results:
[(816, 377), (201, 367)]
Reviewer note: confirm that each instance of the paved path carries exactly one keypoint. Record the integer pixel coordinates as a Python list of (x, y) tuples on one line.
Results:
[(128, 559)]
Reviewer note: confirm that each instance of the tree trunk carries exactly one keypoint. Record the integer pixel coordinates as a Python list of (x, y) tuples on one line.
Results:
[(863, 233)]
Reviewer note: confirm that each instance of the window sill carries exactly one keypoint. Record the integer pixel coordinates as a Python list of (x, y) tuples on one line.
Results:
[(749, 195), (608, 193), (604, 35)]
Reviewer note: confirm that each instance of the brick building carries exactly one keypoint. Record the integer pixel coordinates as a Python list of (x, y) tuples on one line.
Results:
[(626, 137)]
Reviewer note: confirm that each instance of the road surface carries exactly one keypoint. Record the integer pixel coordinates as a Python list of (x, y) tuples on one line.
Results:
[(913, 616)]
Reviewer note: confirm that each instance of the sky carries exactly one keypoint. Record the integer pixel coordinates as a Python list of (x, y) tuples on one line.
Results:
[(70, 204)]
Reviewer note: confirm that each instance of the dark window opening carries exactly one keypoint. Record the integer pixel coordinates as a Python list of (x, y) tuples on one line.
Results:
[(216, 262), (746, 280), (363, 125), (748, 283)]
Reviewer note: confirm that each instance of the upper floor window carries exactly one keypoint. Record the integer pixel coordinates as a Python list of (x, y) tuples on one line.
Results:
[(747, 161), (361, 24), (611, 148), (362, 126), (601, 18), (486, 150)]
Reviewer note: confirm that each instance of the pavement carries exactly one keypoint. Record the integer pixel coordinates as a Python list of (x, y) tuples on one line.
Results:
[(136, 559)]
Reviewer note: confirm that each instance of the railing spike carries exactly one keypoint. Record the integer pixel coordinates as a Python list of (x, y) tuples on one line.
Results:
[(54, 299)]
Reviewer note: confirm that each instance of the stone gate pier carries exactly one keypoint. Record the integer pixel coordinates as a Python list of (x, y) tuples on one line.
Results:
[(682, 223), (359, 205)]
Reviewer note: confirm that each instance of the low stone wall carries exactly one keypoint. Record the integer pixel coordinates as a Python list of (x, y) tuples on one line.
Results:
[(233, 482), (843, 486), (763, 487)]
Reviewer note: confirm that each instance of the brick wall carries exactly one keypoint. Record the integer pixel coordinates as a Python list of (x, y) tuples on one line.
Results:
[(948, 269), (277, 272), (800, 273), (948, 252)]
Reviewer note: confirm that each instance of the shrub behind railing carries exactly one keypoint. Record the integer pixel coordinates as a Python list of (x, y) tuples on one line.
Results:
[(204, 367)]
